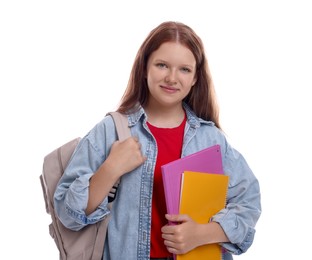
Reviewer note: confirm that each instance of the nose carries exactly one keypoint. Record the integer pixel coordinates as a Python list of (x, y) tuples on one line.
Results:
[(171, 77)]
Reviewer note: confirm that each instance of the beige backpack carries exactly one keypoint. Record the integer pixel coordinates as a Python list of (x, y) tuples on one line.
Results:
[(88, 243)]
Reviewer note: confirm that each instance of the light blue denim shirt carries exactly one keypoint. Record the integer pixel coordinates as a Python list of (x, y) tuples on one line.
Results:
[(129, 229)]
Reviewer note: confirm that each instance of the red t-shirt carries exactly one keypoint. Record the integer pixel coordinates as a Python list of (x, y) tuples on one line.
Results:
[(169, 144)]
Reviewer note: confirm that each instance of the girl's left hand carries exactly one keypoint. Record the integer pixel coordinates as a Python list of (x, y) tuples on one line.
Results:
[(182, 236)]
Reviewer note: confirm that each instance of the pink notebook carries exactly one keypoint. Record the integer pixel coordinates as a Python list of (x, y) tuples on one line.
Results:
[(207, 160)]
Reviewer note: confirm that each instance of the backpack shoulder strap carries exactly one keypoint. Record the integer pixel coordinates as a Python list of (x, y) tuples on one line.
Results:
[(123, 132), (121, 124)]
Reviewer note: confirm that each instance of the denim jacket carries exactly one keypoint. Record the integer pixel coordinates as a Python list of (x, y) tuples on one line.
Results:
[(129, 229)]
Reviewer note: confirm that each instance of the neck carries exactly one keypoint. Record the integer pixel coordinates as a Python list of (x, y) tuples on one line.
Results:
[(165, 117)]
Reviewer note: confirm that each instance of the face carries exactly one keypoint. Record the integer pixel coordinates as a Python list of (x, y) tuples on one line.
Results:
[(170, 74)]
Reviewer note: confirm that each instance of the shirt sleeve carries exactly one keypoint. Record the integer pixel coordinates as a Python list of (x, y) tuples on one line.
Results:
[(71, 195), (243, 207)]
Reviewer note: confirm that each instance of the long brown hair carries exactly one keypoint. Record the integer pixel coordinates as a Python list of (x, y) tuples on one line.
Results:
[(201, 99)]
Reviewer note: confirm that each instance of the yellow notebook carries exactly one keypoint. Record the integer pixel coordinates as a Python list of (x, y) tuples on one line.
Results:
[(202, 196)]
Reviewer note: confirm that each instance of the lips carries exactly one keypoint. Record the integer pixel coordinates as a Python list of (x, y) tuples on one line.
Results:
[(169, 89)]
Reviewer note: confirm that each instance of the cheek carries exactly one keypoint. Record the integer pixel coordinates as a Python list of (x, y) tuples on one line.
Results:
[(154, 77), (149, 79), (149, 83), (189, 82)]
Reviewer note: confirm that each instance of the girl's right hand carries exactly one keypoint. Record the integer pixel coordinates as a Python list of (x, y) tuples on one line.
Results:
[(125, 156)]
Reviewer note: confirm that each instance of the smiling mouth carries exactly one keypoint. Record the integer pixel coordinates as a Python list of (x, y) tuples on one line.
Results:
[(169, 89)]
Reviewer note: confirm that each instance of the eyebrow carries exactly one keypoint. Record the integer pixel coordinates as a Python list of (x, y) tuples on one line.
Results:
[(183, 65)]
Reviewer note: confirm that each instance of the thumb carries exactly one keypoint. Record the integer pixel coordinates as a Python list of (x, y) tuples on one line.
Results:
[(176, 218)]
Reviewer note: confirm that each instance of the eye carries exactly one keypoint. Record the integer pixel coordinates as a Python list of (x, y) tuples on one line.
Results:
[(161, 65), (186, 70)]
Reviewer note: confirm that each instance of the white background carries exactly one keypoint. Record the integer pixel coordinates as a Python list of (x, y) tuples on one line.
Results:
[(64, 64)]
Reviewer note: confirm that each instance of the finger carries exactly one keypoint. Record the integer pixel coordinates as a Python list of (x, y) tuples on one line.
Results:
[(168, 229), (172, 218), (169, 243), (172, 247), (176, 218)]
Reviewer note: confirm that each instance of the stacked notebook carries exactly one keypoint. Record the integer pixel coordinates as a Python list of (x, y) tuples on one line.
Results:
[(195, 185)]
